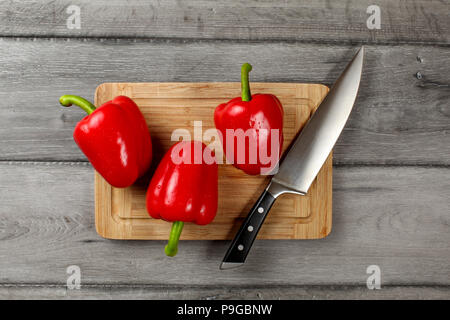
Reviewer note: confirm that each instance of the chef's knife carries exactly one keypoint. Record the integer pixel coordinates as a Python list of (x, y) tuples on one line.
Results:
[(304, 159)]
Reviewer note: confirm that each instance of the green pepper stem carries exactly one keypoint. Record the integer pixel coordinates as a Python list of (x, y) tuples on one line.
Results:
[(68, 99), (245, 86), (171, 248)]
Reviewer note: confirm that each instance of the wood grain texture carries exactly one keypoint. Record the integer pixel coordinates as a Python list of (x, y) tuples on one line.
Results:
[(418, 21), (397, 119), (394, 217), (120, 213), (224, 293)]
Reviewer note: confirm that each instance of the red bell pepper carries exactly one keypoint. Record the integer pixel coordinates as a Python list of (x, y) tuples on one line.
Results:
[(258, 115), (183, 189), (114, 137)]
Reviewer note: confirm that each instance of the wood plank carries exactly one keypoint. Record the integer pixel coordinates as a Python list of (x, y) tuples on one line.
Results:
[(398, 118), (393, 217), (418, 21), (88, 292)]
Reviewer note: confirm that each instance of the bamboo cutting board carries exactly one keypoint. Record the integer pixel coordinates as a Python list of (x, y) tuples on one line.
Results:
[(121, 213)]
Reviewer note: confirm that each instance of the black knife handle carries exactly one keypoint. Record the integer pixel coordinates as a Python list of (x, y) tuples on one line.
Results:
[(242, 242)]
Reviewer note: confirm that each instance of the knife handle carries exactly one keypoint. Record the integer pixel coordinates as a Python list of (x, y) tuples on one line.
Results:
[(242, 242)]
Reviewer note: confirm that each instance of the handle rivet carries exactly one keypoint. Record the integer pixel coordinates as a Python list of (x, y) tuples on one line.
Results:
[(250, 228), (260, 209), (240, 247)]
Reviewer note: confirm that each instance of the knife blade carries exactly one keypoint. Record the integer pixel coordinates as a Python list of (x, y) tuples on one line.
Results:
[(304, 159)]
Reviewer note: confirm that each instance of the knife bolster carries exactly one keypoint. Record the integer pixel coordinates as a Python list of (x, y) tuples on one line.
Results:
[(276, 189)]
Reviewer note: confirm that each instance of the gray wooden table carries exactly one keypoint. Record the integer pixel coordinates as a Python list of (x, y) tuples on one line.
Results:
[(391, 166)]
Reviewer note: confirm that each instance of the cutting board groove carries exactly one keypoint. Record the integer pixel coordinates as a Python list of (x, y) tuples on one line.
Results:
[(121, 213)]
